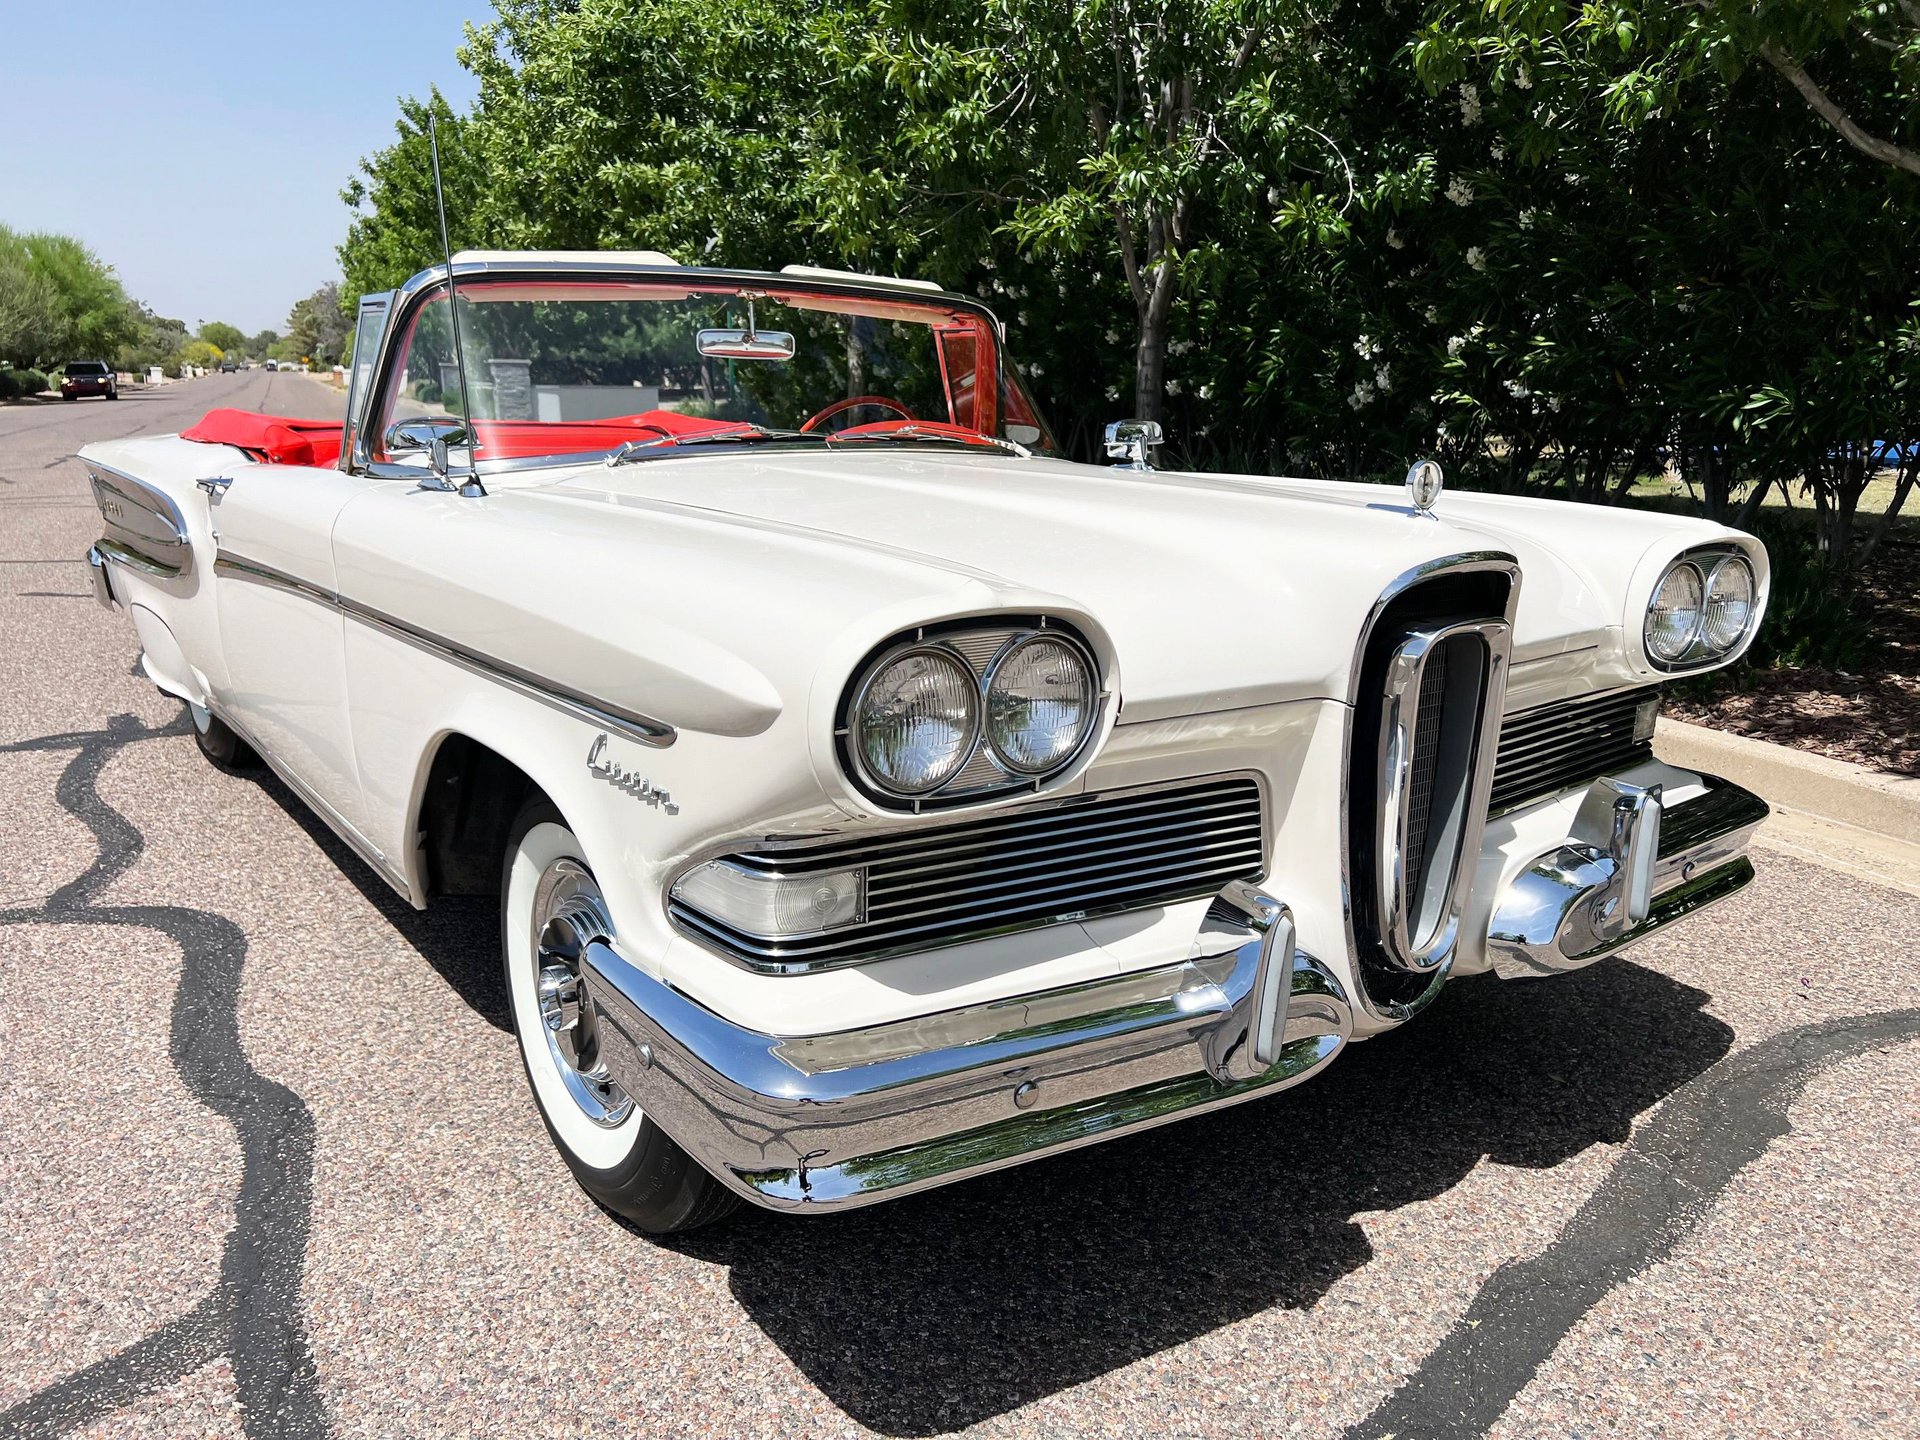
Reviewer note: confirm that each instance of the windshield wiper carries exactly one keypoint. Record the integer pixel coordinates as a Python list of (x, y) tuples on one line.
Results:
[(746, 430), (908, 432)]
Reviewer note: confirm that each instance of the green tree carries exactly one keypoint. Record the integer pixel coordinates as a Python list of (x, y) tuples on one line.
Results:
[(317, 327), (224, 337), (32, 325)]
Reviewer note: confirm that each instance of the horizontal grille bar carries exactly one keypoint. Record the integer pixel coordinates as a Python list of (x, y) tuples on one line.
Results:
[(1102, 854), (1555, 747)]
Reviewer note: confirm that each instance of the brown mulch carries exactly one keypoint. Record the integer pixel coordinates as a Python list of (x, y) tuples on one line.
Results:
[(1871, 719)]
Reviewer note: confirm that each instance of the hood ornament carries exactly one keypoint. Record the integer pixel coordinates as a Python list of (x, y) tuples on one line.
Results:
[(1424, 484)]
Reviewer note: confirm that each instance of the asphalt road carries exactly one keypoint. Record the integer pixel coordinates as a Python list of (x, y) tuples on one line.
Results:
[(268, 1167)]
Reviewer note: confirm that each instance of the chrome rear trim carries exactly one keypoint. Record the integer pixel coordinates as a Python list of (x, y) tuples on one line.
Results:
[(145, 528)]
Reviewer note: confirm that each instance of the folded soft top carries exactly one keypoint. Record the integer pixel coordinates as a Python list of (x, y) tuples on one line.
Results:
[(272, 438)]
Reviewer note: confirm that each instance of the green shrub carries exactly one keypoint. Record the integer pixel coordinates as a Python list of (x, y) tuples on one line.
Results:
[(427, 393), (31, 382), (1814, 616)]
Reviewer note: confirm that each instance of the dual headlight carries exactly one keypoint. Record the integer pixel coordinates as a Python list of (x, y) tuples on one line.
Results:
[(1702, 610), (970, 712)]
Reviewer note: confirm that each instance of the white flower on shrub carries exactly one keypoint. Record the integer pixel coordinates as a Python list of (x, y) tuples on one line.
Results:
[(1526, 217), (1432, 313), (1383, 377), (1523, 78), (1173, 387), (1035, 371), (1499, 151), (1113, 392), (1460, 192), (1476, 258), (1469, 105), (1517, 390), (1112, 337), (1394, 242), (1362, 393)]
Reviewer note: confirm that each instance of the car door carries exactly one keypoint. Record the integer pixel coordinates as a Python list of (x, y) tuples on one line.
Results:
[(282, 630)]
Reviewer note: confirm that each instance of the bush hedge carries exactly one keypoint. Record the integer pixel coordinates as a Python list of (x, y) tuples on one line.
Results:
[(14, 384)]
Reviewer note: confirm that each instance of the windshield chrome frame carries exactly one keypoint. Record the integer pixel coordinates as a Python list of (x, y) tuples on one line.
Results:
[(424, 287)]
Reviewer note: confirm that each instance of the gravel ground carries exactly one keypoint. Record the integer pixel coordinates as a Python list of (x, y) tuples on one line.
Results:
[(302, 1191)]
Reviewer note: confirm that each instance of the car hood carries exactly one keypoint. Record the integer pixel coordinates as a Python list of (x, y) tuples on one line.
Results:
[(1217, 591)]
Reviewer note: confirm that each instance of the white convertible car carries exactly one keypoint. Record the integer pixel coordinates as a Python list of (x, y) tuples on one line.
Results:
[(875, 798)]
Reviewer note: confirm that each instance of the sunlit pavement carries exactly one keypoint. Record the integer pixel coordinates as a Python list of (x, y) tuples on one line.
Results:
[(267, 1165)]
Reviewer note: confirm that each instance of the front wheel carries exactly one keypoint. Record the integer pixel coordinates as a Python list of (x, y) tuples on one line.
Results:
[(550, 907)]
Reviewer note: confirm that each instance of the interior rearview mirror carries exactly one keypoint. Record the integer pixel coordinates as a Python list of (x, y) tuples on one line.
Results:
[(745, 344)]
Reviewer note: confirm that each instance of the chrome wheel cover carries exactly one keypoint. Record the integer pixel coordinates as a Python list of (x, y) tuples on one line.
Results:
[(568, 913)]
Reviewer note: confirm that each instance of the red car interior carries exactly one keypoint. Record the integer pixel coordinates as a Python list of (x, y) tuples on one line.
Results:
[(277, 440)]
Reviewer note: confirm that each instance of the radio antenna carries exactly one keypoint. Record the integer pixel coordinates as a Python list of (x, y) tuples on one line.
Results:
[(470, 483)]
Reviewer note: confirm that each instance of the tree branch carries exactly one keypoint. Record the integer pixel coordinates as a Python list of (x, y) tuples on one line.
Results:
[(1885, 151)]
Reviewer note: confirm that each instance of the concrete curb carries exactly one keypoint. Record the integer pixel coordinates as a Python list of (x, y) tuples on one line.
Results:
[(1864, 824), (1812, 784)]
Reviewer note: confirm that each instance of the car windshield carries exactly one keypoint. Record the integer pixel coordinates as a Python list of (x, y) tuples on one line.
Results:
[(87, 367), (561, 370)]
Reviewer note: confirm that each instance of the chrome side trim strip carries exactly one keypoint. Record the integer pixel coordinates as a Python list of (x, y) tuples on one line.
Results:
[(634, 726)]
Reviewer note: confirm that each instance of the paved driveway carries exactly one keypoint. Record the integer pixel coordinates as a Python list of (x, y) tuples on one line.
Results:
[(267, 1165)]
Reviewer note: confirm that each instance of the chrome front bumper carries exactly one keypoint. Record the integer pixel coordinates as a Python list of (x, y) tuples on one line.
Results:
[(832, 1121), (1632, 864)]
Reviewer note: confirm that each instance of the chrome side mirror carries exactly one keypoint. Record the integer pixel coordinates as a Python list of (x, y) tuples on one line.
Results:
[(745, 344), (421, 432), (1128, 442)]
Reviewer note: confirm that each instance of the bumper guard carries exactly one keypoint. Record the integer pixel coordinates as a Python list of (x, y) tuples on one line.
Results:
[(832, 1121)]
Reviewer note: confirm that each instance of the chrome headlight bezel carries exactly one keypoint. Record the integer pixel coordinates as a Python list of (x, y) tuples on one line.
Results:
[(979, 646), (1701, 651)]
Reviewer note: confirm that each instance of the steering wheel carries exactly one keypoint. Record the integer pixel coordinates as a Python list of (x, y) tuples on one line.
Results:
[(840, 407)]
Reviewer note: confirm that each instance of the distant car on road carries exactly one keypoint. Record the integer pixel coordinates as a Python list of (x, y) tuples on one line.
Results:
[(273, 364), (88, 377), (229, 366)]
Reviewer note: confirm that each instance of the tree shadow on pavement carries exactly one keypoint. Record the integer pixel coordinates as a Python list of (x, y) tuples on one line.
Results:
[(934, 1312)]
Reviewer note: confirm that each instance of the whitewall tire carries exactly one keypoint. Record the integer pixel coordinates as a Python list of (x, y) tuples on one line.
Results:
[(549, 907)]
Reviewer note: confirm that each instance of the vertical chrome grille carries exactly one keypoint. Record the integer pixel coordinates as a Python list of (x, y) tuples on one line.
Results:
[(1426, 758), (1429, 686)]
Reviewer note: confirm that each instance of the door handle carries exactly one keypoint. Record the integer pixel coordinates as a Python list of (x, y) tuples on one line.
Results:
[(214, 484)]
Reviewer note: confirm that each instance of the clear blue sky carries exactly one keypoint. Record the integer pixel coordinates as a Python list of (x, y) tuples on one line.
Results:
[(200, 147)]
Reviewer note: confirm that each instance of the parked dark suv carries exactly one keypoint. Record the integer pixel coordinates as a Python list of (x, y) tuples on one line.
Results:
[(88, 377)]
